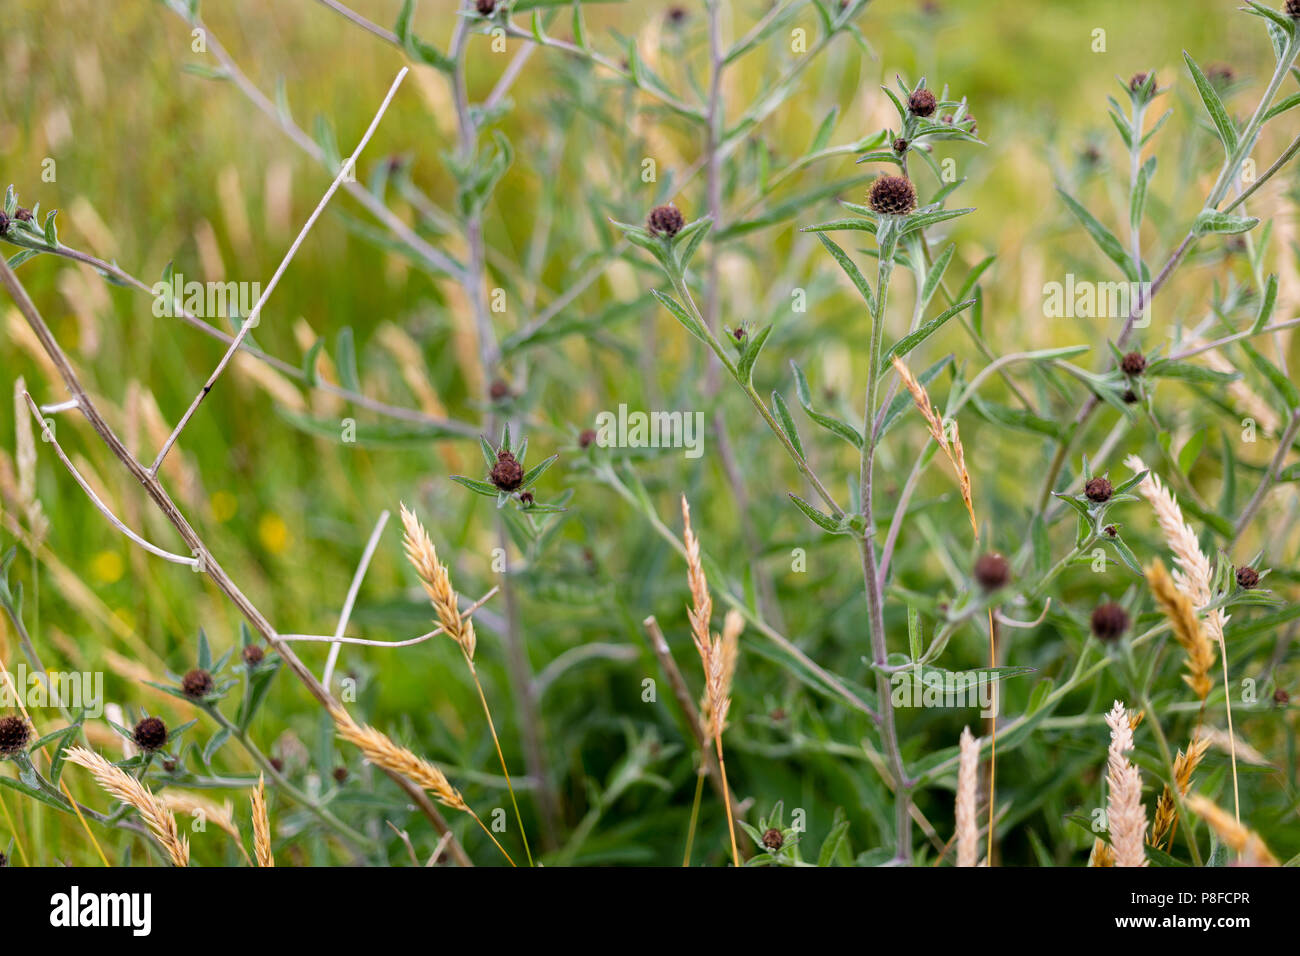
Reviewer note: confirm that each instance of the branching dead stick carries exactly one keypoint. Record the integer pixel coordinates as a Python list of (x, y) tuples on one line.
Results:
[(255, 315), (204, 560)]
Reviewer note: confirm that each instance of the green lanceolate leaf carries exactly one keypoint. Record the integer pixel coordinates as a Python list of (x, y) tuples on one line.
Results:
[(1214, 106), (833, 425), (1222, 223)]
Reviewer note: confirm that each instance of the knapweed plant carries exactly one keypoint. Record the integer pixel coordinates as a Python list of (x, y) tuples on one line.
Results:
[(983, 551)]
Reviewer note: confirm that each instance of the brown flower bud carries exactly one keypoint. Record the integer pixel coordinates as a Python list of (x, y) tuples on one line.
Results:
[(900, 146), (587, 438), (892, 196), (1247, 578), (253, 654), (14, 734), (197, 684), (507, 474), (1134, 363), (498, 390), (1281, 697), (485, 7), (921, 102), (1109, 621), (992, 571), (772, 839), (1293, 9), (24, 214), (340, 774), (150, 734), (666, 220), (1098, 490), (1139, 80)]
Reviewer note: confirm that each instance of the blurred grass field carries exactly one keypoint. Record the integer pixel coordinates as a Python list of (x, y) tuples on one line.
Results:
[(157, 165)]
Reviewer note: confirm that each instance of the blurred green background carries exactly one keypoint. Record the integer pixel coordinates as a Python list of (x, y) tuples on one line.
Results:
[(157, 164)]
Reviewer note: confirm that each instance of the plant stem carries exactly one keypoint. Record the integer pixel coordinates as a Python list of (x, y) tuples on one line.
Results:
[(500, 756)]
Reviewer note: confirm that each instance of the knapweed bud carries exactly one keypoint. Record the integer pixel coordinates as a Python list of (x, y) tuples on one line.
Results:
[(587, 438), (1129, 396), (1134, 363), (507, 474), (1293, 9), (1109, 621), (197, 684), (666, 220), (1220, 75), (527, 498), (253, 654), (921, 102), (150, 734), (892, 196), (1281, 697), (498, 390), (14, 734), (677, 15), (277, 765), (1247, 578), (485, 7), (24, 214), (772, 839), (4, 223), (992, 571), (1098, 490), (900, 146), (340, 774), (1139, 80)]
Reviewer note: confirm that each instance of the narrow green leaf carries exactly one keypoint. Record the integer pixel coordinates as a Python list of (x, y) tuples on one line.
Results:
[(1213, 105)]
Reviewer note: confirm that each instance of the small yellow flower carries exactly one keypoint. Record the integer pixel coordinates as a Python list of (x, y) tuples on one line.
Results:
[(107, 567), (223, 505), (273, 533)]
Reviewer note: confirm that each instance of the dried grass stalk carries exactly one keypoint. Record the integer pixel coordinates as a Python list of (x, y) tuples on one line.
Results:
[(126, 788), (221, 815), (968, 831), (1102, 854), (261, 825), (1193, 572), (1180, 610), (437, 583), (953, 449), (718, 659), (1249, 847), (1185, 765), (382, 752), (1126, 817)]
